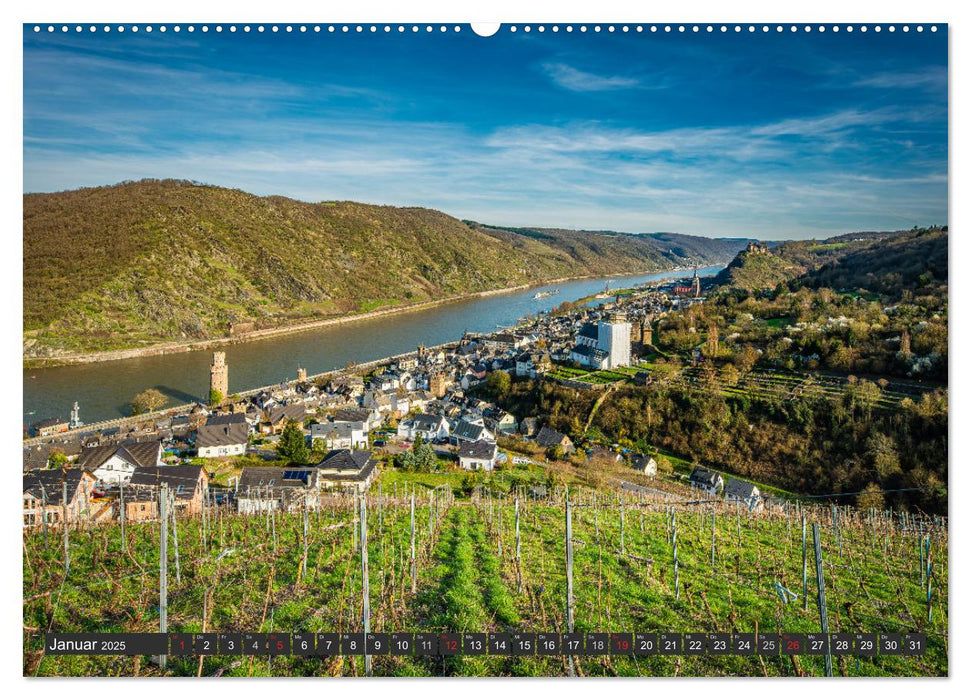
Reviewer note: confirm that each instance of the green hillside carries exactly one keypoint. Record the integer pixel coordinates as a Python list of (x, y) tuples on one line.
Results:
[(757, 268), (883, 263), (146, 262)]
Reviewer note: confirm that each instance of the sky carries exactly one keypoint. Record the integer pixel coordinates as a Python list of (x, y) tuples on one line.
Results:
[(767, 135)]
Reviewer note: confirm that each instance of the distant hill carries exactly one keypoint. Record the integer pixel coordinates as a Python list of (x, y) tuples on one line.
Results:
[(672, 249), (883, 262), (141, 263), (912, 260), (758, 267)]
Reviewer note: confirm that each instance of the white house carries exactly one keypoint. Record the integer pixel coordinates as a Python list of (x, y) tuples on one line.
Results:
[(428, 426), (478, 456), (709, 481), (223, 436), (340, 435), (645, 464), (114, 464), (737, 491)]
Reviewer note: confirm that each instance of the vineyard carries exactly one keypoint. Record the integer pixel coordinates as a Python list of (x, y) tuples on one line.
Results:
[(650, 562)]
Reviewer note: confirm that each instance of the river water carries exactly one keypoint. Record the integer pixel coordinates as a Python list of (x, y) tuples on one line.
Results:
[(104, 389)]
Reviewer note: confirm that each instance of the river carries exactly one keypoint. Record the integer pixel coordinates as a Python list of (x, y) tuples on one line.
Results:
[(104, 389)]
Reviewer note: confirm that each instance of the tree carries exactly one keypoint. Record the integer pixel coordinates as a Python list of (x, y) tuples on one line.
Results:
[(215, 397), (148, 401), (293, 446), (498, 383), (871, 497), (728, 375), (56, 459)]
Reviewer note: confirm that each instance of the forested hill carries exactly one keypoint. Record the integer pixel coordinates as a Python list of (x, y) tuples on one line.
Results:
[(884, 263), (141, 263), (675, 249)]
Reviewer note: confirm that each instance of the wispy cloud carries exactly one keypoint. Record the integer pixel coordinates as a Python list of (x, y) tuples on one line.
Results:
[(571, 78), (934, 77)]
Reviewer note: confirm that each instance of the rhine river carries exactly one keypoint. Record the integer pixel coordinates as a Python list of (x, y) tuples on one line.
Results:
[(104, 390)]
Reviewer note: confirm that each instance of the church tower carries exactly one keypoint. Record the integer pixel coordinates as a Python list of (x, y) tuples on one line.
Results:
[(696, 284), (219, 375)]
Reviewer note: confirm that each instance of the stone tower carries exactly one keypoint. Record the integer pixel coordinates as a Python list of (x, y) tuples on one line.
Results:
[(301, 374), (613, 337), (696, 284), (219, 374), (436, 385)]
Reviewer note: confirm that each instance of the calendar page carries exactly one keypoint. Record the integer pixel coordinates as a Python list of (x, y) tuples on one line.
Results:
[(546, 349)]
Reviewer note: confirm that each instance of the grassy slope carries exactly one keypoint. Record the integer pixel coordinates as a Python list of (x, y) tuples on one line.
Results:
[(872, 577), (152, 261)]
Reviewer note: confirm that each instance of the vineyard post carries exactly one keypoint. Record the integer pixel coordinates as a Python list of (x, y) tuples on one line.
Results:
[(175, 538), (306, 527), (805, 581), (621, 527), (163, 563), (821, 597), (43, 512), (365, 585), (519, 561), (713, 538), (271, 509), (674, 552), (499, 531), (414, 567), (738, 525), (569, 563), (929, 581), (121, 515), (354, 527), (920, 555), (67, 535), (431, 519)]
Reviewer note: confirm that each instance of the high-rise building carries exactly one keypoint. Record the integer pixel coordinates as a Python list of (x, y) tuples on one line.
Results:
[(613, 337), (219, 375)]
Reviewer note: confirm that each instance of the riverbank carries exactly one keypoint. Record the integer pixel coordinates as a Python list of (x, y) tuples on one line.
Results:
[(263, 333)]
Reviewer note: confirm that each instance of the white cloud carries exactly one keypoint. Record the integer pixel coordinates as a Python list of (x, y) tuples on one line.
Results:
[(932, 78), (571, 78)]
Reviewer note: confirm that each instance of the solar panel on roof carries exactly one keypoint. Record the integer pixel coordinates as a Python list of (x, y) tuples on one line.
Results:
[(301, 474)]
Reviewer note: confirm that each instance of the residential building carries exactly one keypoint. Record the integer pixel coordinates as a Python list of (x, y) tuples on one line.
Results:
[(223, 436), (44, 496), (465, 431), (429, 427), (706, 480), (477, 456), (347, 470), (547, 437), (645, 464), (187, 483), (115, 464), (737, 491)]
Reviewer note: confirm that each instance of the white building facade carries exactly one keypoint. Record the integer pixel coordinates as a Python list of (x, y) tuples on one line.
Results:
[(613, 337)]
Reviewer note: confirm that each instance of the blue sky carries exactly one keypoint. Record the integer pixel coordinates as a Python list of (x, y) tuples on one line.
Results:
[(766, 135)]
